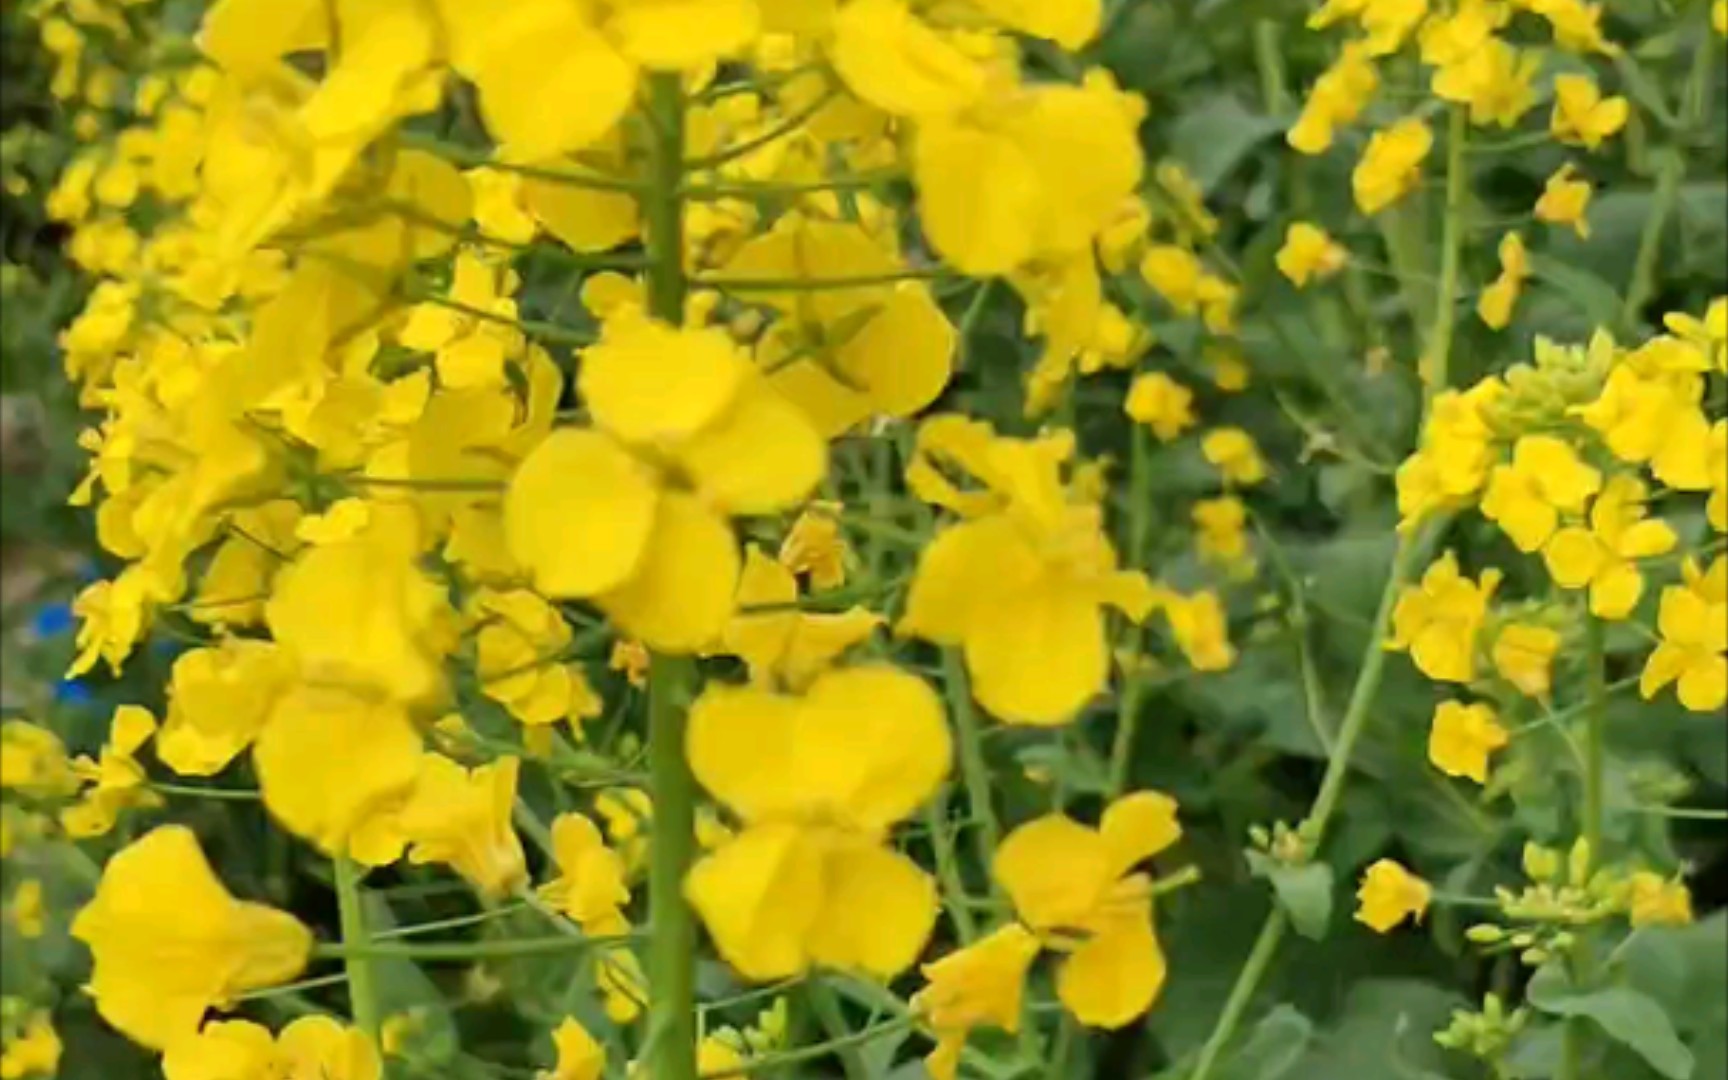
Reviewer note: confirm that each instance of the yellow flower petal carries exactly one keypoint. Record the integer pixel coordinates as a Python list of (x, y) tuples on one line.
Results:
[(881, 734), (1137, 827), (680, 596), (761, 457), (578, 514), (901, 901), (741, 745), (650, 383), (1055, 870), (1040, 658), (1117, 974), (759, 895)]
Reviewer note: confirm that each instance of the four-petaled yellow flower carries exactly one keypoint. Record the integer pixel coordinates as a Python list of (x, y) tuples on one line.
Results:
[(1391, 165), (462, 817), (1076, 888), (780, 644), (1438, 620), (1693, 622), (1462, 737), (1582, 115), (116, 780), (168, 942), (1022, 582), (980, 985), (1161, 403), (1523, 655), (1495, 304), (1234, 454), (1564, 200), (1602, 556), (1544, 480), (1389, 895), (818, 780), (1308, 253), (596, 514)]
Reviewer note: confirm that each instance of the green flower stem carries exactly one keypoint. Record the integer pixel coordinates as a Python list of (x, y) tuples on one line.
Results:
[(767, 190), (671, 1053), (1411, 546), (195, 792), (1134, 683), (733, 284), (362, 995), (948, 867), (1595, 733), (767, 1062), (974, 772), (1575, 1032), (467, 951), (1437, 347), (842, 1040), (1259, 959), (1670, 169)]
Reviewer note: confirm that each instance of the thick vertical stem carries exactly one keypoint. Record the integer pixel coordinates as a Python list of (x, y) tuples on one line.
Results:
[(362, 995), (671, 925)]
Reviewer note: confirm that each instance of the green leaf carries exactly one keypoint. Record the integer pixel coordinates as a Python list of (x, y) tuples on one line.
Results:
[(1627, 1016), (1215, 135), (1305, 891), (1272, 1049), (1588, 293)]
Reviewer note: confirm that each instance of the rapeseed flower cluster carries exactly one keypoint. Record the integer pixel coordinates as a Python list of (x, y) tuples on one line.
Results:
[(674, 547)]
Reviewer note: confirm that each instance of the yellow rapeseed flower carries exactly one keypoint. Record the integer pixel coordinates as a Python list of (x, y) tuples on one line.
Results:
[(1564, 200), (818, 781), (1462, 737), (1391, 166), (1076, 888), (1693, 622), (1603, 556), (168, 942), (1308, 252), (1438, 620), (1582, 116), (1389, 895), (977, 986)]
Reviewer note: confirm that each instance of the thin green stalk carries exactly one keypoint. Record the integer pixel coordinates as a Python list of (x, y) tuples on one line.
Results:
[(974, 772), (1670, 168), (1139, 537), (193, 791), (802, 1054), (948, 867), (1061, 1049), (467, 951), (672, 1036), (841, 1038), (1595, 733), (1259, 959), (1437, 350), (1576, 1030), (362, 996)]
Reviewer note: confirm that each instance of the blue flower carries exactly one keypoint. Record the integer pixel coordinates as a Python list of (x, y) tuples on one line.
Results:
[(52, 620), (72, 692)]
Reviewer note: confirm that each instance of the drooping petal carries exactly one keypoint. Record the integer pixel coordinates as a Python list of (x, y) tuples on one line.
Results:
[(762, 456), (962, 577), (578, 514), (874, 741), (904, 355), (740, 743), (900, 901), (1116, 975), (759, 896), (1041, 658), (650, 383), (979, 228), (680, 596)]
